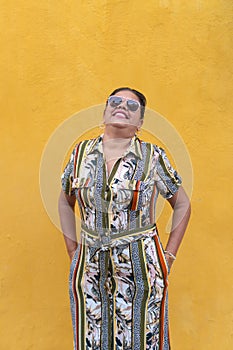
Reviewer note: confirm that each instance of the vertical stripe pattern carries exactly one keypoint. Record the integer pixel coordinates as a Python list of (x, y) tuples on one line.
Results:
[(77, 297), (140, 296), (118, 296), (118, 276)]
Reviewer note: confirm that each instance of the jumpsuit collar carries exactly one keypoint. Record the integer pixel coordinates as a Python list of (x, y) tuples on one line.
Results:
[(134, 147)]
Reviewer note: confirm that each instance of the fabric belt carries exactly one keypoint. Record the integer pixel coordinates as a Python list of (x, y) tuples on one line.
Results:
[(110, 239)]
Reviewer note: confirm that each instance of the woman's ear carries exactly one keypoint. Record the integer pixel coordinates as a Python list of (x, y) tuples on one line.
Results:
[(140, 124)]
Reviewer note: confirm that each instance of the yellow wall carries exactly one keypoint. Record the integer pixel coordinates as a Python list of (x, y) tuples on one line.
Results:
[(58, 57)]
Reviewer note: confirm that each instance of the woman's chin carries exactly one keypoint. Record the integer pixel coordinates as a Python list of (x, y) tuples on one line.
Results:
[(120, 123)]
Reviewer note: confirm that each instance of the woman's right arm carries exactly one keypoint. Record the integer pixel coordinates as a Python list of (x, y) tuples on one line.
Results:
[(66, 206)]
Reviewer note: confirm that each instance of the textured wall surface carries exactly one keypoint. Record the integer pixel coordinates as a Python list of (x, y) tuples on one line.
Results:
[(58, 57)]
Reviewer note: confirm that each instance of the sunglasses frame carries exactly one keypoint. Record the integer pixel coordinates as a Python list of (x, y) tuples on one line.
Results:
[(122, 100)]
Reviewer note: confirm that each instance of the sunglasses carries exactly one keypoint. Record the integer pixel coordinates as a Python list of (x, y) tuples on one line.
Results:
[(115, 101)]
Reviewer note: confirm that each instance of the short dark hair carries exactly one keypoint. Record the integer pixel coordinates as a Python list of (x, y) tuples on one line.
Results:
[(141, 97)]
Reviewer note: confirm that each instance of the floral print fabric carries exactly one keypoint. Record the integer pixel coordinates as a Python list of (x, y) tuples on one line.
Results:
[(127, 198), (118, 278)]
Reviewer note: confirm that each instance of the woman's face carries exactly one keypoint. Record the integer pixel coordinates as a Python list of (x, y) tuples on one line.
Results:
[(122, 113)]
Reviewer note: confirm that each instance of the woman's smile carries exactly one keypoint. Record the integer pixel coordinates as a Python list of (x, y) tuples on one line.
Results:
[(120, 114)]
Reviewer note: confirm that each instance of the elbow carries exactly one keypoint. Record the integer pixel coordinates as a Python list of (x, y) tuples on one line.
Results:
[(185, 204), (185, 207)]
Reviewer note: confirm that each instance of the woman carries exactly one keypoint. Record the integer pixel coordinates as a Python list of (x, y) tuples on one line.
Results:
[(118, 277)]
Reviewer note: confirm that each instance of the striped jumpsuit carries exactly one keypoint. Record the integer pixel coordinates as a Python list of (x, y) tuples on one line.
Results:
[(118, 275)]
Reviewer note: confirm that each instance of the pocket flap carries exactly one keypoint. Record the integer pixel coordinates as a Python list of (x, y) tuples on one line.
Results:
[(81, 182)]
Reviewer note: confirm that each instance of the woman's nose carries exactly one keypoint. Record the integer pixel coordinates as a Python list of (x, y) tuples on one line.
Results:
[(123, 104)]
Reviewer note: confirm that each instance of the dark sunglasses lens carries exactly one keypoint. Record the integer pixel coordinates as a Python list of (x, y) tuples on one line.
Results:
[(132, 105), (114, 101)]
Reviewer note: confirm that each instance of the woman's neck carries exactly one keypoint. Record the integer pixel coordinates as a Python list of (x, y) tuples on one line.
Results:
[(114, 148), (118, 132)]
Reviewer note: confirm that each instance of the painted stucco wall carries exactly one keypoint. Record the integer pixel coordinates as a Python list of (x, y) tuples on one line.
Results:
[(58, 57)]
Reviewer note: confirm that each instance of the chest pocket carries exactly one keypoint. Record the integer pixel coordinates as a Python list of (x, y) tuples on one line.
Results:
[(132, 194), (84, 189)]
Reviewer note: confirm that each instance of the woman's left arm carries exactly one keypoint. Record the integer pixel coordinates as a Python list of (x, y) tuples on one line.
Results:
[(181, 213)]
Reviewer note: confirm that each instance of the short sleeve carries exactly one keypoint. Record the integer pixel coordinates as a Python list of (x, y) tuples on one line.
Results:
[(168, 180), (68, 174)]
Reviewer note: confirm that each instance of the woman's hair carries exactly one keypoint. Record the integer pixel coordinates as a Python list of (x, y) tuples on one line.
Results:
[(141, 97)]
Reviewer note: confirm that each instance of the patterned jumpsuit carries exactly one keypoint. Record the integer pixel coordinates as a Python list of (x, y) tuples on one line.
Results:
[(118, 275)]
